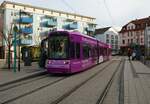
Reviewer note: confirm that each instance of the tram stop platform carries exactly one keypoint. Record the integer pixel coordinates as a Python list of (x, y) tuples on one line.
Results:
[(8, 76), (136, 83)]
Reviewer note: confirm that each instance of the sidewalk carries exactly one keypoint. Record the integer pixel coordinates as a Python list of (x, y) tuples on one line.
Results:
[(8, 75), (136, 83)]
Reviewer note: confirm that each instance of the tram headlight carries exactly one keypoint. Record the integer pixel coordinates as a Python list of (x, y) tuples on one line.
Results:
[(48, 61), (66, 62)]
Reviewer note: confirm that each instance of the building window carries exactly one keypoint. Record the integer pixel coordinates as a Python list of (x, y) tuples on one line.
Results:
[(123, 41), (107, 36), (137, 40), (107, 41), (123, 35), (116, 37), (128, 41), (11, 13), (131, 40), (141, 40), (112, 37), (131, 34), (59, 14), (112, 41), (128, 34), (13, 6), (137, 33), (128, 28)]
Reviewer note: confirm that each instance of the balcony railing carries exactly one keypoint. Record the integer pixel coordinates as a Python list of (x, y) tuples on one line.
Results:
[(27, 30), (26, 41), (71, 26), (89, 29), (51, 23), (26, 20)]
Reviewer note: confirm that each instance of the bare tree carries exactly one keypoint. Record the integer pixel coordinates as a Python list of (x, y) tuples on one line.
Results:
[(7, 39)]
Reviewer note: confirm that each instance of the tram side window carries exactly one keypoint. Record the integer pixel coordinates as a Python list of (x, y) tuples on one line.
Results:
[(86, 51), (72, 50), (95, 52), (100, 51), (77, 50)]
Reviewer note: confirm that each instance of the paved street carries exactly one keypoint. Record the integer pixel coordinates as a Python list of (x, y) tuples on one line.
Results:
[(8, 75), (101, 84), (74, 52)]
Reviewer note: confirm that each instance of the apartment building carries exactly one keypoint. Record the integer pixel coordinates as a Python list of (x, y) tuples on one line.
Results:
[(132, 34), (35, 23)]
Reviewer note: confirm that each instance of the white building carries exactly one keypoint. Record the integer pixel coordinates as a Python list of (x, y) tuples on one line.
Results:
[(35, 23), (110, 36)]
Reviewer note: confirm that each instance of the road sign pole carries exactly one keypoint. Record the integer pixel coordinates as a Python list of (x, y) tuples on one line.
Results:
[(15, 30), (15, 55), (19, 41)]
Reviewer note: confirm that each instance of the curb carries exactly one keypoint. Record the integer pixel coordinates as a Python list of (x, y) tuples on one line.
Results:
[(31, 75)]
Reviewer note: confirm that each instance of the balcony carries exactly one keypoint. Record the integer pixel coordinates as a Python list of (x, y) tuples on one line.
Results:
[(26, 20), (27, 30), (90, 29), (71, 26), (51, 23), (26, 42)]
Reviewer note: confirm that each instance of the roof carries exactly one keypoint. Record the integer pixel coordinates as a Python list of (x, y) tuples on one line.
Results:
[(21, 4), (101, 30), (139, 23)]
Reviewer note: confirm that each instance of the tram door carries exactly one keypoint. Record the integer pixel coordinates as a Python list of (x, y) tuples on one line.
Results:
[(43, 53), (101, 58), (75, 56)]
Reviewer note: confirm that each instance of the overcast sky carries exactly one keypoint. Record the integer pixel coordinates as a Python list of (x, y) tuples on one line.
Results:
[(106, 12)]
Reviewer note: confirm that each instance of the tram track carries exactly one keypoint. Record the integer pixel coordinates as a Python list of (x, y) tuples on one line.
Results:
[(52, 83), (22, 95), (64, 96), (109, 84), (16, 84), (121, 84), (102, 95), (33, 90)]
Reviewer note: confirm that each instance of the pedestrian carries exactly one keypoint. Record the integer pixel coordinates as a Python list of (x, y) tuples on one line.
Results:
[(133, 54), (129, 53), (43, 57)]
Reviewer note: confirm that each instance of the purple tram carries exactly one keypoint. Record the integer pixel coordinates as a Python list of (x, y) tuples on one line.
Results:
[(70, 52)]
